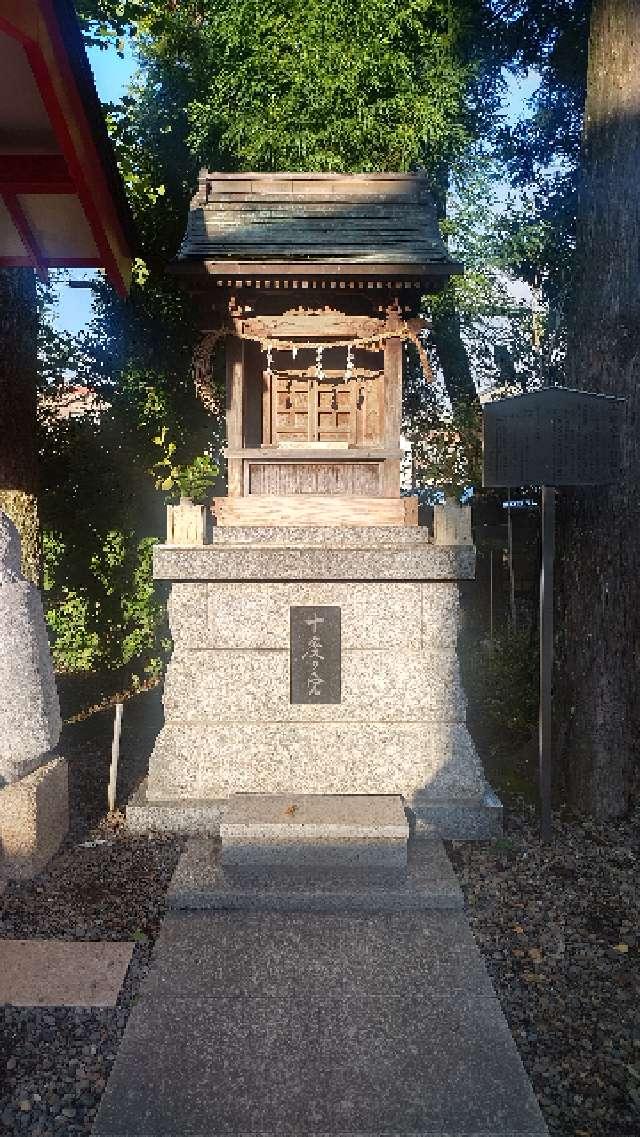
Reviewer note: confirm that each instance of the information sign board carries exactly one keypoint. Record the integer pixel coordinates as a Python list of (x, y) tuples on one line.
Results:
[(552, 437)]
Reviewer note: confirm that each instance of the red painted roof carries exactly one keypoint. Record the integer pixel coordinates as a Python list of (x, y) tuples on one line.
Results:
[(62, 202)]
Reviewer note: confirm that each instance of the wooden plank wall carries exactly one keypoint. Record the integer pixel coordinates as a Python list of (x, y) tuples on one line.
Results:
[(360, 479)]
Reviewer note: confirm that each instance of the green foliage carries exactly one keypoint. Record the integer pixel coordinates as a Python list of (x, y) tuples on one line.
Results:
[(145, 631), (99, 511), (308, 84), (196, 479), (323, 85), (75, 645), (192, 480), (542, 150), (113, 619), (448, 457)]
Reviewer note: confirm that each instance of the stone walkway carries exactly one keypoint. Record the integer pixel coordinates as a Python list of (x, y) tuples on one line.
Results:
[(306, 1023)]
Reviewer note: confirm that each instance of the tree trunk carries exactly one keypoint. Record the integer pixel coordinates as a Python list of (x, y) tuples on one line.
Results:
[(598, 609), (18, 451), (451, 352), (445, 321)]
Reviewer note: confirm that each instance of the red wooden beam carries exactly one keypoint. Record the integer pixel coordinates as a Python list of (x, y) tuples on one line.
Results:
[(35, 173), (86, 173), (63, 134), (90, 183), (51, 262), (27, 236)]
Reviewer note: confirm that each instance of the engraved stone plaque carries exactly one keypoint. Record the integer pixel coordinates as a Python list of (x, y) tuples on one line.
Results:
[(552, 437), (315, 654)]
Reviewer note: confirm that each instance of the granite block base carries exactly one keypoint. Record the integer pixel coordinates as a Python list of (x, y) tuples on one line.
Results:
[(237, 716), (419, 760), (201, 881), (459, 820), (34, 819), (478, 819), (194, 818)]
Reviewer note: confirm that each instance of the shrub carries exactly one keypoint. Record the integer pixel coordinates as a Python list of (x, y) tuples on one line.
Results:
[(116, 618)]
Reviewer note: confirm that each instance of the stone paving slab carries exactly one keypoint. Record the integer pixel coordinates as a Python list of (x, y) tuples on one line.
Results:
[(260, 953), (201, 881), (381, 1065), (60, 973)]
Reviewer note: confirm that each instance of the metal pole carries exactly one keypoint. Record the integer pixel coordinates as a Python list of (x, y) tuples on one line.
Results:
[(546, 654), (491, 602), (115, 752), (512, 579)]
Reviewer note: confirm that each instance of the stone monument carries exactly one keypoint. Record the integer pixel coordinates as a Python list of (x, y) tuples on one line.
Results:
[(315, 636), (34, 811)]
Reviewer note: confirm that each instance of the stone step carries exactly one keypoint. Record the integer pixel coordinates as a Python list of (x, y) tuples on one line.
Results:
[(201, 881), (315, 829)]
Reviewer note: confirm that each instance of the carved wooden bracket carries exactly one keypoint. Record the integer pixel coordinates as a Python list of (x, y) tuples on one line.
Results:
[(304, 328)]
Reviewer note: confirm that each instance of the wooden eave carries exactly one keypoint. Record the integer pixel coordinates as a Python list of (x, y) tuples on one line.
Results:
[(309, 230), (202, 276), (62, 202), (307, 269)]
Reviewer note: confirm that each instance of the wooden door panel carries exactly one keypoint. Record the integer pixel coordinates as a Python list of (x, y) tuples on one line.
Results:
[(322, 411), (291, 408)]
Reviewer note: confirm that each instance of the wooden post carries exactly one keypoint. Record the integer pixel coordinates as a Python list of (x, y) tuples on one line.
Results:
[(235, 383), (392, 401), (115, 754)]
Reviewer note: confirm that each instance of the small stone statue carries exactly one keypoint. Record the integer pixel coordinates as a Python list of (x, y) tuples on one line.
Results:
[(29, 710)]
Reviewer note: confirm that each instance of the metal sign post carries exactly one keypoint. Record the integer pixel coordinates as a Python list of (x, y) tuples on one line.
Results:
[(549, 438), (546, 656)]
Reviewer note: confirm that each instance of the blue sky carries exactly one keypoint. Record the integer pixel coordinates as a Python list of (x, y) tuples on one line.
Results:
[(112, 74)]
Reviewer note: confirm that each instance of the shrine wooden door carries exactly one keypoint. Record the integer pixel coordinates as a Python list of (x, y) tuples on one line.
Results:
[(299, 409), (289, 410), (335, 410)]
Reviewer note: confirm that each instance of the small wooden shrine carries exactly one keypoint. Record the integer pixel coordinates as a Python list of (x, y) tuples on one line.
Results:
[(314, 281), (315, 633)]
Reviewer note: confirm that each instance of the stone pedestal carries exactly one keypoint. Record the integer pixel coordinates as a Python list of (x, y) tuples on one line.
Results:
[(34, 819), (34, 811), (399, 725), (29, 711)]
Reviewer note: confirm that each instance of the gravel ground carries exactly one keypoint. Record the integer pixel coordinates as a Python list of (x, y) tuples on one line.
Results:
[(559, 928), (54, 1062), (105, 884)]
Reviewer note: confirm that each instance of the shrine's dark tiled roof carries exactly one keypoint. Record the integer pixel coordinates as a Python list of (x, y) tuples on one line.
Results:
[(325, 220)]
